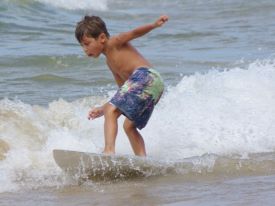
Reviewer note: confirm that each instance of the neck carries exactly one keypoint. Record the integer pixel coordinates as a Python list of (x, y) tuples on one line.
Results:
[(105, 50)]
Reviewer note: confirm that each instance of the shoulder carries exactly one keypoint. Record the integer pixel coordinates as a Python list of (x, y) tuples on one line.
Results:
[(113, 40), (119, 40)]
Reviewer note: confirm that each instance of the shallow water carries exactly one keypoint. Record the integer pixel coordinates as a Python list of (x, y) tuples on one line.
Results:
[(169, 190), (213, 130)]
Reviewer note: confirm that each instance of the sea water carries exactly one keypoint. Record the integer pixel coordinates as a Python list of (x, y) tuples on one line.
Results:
[(213, 129)]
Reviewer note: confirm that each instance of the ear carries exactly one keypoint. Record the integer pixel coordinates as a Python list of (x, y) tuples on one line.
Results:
[(102, 38)]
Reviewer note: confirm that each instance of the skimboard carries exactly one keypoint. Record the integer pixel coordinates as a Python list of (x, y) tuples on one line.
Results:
[(99, 166)]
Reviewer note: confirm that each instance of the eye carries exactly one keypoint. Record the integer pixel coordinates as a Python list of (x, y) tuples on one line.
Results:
[(85, 43)]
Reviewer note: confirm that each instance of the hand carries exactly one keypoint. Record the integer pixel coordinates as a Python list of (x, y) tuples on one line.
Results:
[(95, 113), (161, 20)]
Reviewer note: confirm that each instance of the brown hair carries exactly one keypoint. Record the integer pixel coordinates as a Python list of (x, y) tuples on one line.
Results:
[(91, 26)]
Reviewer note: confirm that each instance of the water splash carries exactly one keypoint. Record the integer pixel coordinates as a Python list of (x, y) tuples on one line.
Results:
[(100, 5), (220, 113)]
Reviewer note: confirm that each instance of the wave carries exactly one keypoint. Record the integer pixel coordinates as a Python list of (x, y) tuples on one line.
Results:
[(221, 122), (50, 62), (78, 165), (100, 5), (205, 166), (221, 112), (51, 78)]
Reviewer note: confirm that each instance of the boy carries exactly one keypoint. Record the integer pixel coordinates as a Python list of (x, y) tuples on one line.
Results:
[(140, 87)]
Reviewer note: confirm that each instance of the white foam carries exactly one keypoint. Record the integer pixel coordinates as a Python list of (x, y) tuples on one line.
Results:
[(218, 112), (100, 5)]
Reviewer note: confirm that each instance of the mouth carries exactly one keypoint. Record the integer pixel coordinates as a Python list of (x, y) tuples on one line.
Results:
[(93, 55)]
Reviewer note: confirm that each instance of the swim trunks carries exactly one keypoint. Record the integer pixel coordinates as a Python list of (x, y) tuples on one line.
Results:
[(137, 97)]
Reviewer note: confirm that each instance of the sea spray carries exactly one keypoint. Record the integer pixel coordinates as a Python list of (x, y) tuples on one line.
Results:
[(199, 123), (219, 112), (100, 5)]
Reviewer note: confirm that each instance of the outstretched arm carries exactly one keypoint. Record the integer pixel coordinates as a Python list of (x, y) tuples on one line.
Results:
[(140, 31)]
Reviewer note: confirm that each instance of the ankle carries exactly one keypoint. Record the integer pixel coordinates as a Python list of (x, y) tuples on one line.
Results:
[(109, 150)]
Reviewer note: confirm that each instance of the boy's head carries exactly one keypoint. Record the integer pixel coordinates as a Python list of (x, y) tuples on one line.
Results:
[(90, 26)]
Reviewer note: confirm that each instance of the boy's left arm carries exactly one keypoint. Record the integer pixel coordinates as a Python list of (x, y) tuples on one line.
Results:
[(140, 31)]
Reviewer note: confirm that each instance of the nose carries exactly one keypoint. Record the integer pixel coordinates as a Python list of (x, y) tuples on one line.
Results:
[(85, 49)]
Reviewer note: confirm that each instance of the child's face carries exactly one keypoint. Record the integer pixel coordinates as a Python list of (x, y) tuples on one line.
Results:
[(91, 46)]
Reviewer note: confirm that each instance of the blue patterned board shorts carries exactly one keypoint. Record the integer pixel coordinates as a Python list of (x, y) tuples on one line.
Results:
[(137, 97)]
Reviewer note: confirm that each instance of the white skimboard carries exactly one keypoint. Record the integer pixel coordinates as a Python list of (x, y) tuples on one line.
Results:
[(102, 167)]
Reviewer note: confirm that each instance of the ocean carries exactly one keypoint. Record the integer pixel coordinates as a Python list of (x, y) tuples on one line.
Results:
[(213, 129)]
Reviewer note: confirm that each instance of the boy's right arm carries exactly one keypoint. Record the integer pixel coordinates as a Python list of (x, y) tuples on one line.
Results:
[(140, 31)]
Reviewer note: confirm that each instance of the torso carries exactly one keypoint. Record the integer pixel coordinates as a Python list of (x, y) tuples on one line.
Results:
[(125, 60)]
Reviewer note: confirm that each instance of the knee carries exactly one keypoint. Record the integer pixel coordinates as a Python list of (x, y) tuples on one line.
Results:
[(110, 110), (128, 126)]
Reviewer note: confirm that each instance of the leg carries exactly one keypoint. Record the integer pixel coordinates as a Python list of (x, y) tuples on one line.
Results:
[(135, 138), (111, 114)]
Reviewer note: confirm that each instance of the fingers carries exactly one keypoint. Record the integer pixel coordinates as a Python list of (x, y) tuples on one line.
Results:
[(92, 114), (161, 20), (164, 18), (95, 113)]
